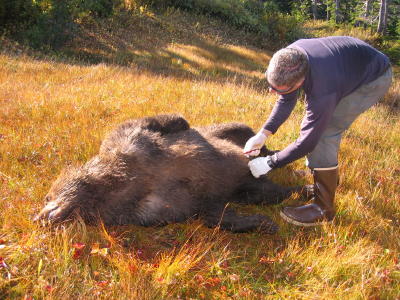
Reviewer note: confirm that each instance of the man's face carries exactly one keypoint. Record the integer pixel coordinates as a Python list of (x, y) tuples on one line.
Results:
[(283, 89)]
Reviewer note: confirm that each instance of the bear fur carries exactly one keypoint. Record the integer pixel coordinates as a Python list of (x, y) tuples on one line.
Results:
[(157, 170)]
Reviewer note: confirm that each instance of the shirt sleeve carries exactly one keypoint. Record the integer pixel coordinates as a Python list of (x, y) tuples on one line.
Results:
[(318, 114), (281, 111)]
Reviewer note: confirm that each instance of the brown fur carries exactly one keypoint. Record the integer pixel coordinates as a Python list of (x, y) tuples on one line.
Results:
[(158, 170)]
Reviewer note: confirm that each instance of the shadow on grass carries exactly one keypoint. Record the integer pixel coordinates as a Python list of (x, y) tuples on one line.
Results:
[(184, 47)]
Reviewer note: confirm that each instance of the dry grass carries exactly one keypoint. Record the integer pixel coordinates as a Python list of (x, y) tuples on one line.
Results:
[(55, 112)]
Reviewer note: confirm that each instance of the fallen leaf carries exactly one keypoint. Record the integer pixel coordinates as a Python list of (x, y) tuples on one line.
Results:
[(97, 250), (78, 250), (199, 278), (212, 282), (49, 288), (140, 253), (3, 263), (224, 264), (267, 260), (102, 283), (290, 274), (268, 277), (78, 246), (77, 254), (234, 277)]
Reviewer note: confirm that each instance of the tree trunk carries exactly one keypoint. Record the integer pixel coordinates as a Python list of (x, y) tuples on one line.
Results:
[(337, 11), (314, 9), (367, 8), (382, 17), (327, 11)]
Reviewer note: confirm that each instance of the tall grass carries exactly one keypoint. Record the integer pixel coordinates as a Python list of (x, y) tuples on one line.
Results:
[(55, 113)]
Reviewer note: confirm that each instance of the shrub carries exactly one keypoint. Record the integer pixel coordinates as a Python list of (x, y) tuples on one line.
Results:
[(260, 17), (49, 23), (18, 11)]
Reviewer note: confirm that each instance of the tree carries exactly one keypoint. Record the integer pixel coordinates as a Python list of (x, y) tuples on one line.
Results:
[(314, 9), (383, 12), (337, 5), (367, 7)]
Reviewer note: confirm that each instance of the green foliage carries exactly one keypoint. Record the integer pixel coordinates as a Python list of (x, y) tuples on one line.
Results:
[(51, 29), (260, 17), (18, 11), (49, 23)]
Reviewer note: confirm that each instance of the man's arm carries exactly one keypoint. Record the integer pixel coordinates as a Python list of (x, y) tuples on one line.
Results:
[(280, 113), (318, 115)]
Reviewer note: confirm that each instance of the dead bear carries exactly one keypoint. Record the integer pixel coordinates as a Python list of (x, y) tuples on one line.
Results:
[(157, 170)]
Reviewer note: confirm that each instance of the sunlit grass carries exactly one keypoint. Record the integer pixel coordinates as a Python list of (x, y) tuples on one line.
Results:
[(56, 113)]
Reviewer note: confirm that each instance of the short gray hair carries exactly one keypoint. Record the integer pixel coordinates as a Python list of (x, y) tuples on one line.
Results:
[(287, 67)]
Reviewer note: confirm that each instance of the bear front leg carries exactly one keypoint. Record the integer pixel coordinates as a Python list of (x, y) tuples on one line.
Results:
[(263, 191)]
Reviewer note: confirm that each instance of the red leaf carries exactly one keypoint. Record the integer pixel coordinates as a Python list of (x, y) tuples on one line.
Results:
[(234, 277), (211, 282), (199, 278), (268, 277), (140, 253), (267, 260), (291, 274), (102, 283), (77, 254), (396, 261), (132, 268), (224, 264), (49, 288), (78, 246), (2, 263)]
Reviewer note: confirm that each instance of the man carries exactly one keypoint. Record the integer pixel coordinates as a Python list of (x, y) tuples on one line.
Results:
[(341, 78)]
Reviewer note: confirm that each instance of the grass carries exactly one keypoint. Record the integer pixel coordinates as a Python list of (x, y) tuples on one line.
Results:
[(56, 110)]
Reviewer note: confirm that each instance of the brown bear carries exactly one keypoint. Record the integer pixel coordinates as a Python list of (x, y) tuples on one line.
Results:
[(157, 170)]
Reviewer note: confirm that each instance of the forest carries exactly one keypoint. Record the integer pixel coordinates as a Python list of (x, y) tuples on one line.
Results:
[(50, 23)]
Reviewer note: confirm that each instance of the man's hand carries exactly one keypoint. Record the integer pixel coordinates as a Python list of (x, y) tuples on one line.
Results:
[(259, 166), (255, 143)]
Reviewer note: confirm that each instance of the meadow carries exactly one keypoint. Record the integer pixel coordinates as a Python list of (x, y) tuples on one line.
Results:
[(57, 107)]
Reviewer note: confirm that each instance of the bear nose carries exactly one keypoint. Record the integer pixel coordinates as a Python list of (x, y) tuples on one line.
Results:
[(48, 212)]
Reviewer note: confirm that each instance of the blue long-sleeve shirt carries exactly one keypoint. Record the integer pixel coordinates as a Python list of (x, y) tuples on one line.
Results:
[(337, 67)]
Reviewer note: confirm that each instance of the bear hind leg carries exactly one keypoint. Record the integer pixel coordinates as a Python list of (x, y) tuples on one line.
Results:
[(165, 124), (228, 219)]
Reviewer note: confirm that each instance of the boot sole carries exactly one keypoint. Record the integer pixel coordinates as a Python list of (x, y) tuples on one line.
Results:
[(297, 223)]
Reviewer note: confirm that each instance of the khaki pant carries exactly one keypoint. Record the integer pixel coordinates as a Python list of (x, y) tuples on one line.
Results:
[(325, 154)]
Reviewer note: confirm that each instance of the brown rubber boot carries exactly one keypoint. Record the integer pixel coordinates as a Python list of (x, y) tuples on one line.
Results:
[(322, 209)]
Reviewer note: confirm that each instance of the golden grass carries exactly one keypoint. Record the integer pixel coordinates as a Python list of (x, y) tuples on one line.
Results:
[(56, 113)]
